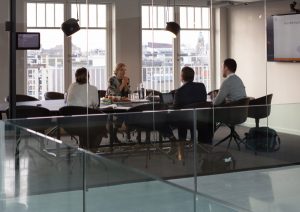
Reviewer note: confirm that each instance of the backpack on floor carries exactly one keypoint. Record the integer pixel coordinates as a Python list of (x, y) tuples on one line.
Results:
[(262, 139)]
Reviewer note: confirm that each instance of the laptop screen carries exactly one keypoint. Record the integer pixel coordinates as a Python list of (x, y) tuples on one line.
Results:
[(166, 98)]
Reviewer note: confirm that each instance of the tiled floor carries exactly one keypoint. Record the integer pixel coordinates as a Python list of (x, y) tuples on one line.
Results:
[(135, 197), (260, 190)]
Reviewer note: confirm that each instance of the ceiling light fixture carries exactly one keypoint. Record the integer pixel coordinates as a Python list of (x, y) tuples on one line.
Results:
[(70, 26), (172, 26), (293, 9)]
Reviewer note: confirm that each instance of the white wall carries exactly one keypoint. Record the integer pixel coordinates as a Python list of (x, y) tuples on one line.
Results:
[(246, 34), (127, 38)]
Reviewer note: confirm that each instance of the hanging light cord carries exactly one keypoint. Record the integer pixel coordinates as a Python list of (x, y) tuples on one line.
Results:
[(77, 10)]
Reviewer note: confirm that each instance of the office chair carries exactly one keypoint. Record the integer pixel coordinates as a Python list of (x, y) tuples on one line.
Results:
[(151, 92), (148, 122), (22, 98), (232, 114), (24, 115), (86, 123), (260, 108), (101, 93), (53, 95), (143, 122)]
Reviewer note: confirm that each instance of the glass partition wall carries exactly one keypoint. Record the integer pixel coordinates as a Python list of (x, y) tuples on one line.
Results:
[(140, 127)]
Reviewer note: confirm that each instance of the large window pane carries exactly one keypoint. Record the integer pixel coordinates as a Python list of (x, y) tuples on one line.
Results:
[(91, 54), (59, 14), (31, 15), (45, 67), (41, 22), (50, 15), (157, 68), (195, 52), (93, 15), (102, 16)]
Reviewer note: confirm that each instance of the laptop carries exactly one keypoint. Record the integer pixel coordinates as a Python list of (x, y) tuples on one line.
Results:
[(166, 98)]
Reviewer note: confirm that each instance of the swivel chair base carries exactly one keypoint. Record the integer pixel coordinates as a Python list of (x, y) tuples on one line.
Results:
[(232, 136)]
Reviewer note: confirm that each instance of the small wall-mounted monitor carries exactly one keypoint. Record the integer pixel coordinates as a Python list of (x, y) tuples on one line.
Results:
[(28, 40)]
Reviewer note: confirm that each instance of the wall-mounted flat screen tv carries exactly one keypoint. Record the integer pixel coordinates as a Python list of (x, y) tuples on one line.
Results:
[(28, 40), (283, 38)]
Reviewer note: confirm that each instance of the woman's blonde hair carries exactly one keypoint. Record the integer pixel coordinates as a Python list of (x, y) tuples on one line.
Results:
[(119, 67)]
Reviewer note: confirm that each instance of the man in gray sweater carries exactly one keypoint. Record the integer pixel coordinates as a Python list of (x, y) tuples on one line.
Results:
[(232, 89)]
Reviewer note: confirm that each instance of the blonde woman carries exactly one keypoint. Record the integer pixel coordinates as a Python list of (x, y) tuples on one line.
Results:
[(118, 85)]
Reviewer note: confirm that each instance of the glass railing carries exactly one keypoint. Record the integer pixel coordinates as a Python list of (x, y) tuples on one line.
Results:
[(40, 172), (129, 155)]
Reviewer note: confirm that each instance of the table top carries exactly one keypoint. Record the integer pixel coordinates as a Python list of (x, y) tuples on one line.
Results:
[(55, 105)]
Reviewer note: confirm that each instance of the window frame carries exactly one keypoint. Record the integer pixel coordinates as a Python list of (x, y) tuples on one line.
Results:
[(67, 43)]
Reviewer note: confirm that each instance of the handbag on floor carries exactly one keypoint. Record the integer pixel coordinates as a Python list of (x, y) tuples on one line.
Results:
[(262, 139)]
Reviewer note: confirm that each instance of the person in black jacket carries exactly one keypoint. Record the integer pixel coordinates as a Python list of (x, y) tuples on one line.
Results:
[(189, 93)]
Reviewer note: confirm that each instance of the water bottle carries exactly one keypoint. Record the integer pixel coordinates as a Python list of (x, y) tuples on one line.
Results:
[(141, 92)]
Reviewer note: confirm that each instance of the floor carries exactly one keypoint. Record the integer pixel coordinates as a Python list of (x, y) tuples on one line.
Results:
[(271, 190), (264, 190), (57, 182)]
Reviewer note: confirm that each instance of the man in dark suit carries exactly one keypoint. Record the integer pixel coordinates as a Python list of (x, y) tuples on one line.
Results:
[(189, 93)]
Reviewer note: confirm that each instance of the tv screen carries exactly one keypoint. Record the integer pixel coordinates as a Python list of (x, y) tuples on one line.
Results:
[(28, 40), (283, 43)]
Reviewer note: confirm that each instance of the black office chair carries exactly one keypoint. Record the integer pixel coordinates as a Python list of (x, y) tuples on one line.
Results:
[(53, 95), (35, 118), (232, 114), (151, 92), (101, 93), (140, 118), (84, 123), (22, 98), (143, 122), (26, 111), (204, 121), (260, 108)]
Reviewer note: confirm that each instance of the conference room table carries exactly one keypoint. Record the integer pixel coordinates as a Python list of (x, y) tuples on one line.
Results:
[(54, 105)]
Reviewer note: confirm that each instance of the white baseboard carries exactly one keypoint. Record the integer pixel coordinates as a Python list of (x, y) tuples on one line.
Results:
[(278, 129)]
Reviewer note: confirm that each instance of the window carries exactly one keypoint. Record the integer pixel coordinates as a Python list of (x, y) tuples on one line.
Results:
[(195, 42), (44, 71), (93, 53), (159, 51), (88, 47)]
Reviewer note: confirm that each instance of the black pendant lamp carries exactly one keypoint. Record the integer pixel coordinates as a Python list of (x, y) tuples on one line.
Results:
[(172, 27), (70, 26)]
